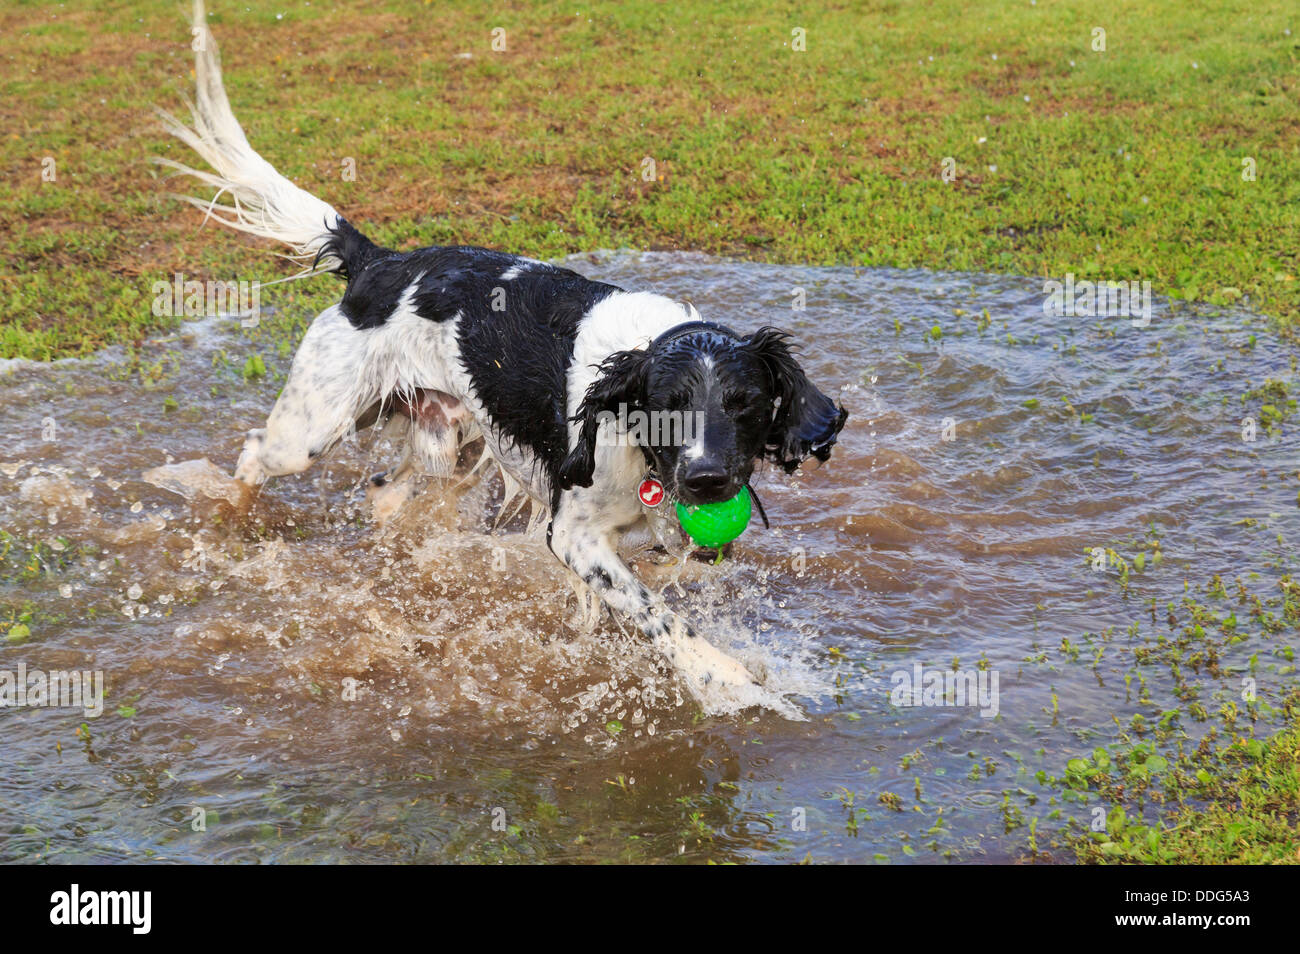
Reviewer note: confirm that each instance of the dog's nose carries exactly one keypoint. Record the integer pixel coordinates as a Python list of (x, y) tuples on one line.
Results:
[(705, 479)]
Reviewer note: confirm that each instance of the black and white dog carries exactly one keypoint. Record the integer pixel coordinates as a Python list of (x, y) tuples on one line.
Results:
[(539, 362)]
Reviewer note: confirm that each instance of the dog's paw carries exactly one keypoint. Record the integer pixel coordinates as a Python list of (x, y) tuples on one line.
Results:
[(706, 669), (248, 469), (386, 499)]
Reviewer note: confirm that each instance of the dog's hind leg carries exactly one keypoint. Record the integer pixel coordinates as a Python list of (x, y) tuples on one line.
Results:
[(389, 490), (435, 434), (328, 394), (431, 422)]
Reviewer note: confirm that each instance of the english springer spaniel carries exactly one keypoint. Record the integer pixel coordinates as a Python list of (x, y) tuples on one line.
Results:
[(457, 343)]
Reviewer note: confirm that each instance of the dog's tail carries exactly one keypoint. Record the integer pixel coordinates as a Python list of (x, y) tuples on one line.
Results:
[(259, 200)]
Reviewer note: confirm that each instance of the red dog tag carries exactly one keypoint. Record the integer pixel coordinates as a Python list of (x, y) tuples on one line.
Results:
[(651, 492)]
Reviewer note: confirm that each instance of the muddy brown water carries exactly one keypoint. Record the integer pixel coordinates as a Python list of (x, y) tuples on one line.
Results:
[(311, 686)]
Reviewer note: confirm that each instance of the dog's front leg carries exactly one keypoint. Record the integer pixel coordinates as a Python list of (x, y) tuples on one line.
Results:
[(584, 543)]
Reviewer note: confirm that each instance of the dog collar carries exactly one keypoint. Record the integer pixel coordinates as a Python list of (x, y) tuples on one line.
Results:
[(651, 491)]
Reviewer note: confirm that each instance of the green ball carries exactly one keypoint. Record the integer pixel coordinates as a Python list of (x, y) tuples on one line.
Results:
[(715, 524)]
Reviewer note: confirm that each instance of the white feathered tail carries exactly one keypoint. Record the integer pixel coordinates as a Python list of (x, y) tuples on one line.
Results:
[(260, 201)]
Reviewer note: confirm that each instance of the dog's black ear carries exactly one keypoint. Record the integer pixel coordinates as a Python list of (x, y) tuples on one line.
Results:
[(806, 421), (621, 381)]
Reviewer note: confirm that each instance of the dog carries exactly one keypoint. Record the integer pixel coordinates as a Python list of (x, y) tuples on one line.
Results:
[(544, 365)]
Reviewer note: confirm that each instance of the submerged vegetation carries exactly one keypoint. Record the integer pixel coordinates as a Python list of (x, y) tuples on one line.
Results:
[(1191, 784)]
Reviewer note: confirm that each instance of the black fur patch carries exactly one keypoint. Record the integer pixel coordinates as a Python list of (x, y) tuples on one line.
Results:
[(516, 335), (519, 357), (353, 250)]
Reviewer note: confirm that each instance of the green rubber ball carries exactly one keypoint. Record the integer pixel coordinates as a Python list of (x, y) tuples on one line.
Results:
[(716, 524)]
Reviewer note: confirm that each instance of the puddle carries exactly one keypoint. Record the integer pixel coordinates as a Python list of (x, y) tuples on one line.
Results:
[(312, 686)]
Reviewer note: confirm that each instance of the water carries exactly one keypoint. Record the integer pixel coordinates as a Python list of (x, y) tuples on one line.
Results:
[(314, 686)]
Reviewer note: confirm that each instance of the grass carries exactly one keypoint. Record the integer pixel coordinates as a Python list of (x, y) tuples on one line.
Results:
[(1209, 775), (1247, 810), (1122, 163)]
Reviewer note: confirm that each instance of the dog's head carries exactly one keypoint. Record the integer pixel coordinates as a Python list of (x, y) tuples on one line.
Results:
[(706, 404)]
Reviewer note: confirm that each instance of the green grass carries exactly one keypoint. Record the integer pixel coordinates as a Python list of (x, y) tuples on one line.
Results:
[(1204, 777), (1122, 164), (1246, 809)]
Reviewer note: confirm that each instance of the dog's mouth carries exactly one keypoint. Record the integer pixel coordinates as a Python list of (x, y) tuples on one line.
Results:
[(712, 496), (715, 492)]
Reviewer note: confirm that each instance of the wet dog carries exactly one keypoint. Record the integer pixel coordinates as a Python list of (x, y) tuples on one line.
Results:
[(541, 363)]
